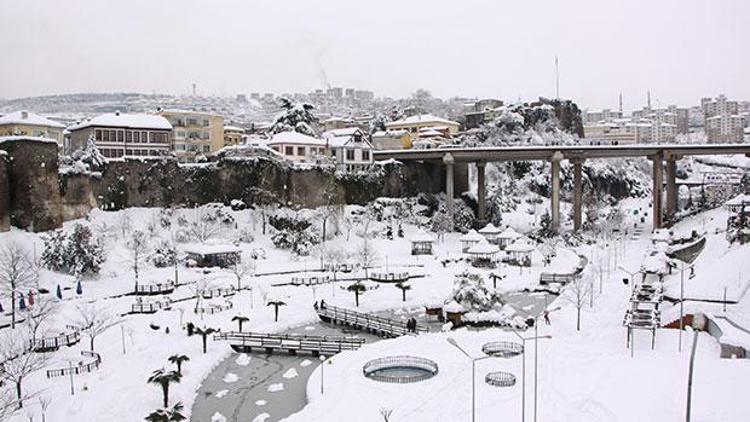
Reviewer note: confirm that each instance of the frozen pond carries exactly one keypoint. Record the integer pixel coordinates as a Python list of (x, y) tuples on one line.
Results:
[(260, 387)]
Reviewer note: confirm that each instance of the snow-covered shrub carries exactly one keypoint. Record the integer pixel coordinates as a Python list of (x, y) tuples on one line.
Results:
[(165, 218), (163, 254), (299, 242), (470, 292), (245, 235), (257, 253), (237, 204), (78, 252), (295, 117), (83, 161)]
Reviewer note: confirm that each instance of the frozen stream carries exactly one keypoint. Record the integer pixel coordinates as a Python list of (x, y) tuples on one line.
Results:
[(260, 387)]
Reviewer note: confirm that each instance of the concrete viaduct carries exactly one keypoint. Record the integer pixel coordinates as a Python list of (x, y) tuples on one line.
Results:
[(664, 158)]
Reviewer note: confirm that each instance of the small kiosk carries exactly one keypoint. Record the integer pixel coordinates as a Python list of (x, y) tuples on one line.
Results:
[(483, 254), (507, 237), (519, 252), (470, 239), (421, 244), (490, 233)]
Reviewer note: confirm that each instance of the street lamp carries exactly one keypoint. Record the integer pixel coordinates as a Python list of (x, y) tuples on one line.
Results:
[(523, 367), (682, 303), (322, 366), (453, 343)]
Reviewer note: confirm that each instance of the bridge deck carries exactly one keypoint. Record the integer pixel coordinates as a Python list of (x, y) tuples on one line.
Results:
[(385, 327), (567, 151), (248, 341)]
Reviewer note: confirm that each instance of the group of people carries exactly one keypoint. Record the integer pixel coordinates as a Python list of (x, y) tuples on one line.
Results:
[(411, 325), (322, 304)]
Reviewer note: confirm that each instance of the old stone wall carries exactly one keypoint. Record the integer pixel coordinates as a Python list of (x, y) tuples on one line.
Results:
[(33, 188)]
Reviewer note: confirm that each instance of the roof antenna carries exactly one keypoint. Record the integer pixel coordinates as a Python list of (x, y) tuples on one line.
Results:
[(557, 79)]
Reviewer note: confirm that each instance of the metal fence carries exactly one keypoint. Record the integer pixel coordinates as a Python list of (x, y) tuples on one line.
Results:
[(503, 349), (422, 369), (80, 368)]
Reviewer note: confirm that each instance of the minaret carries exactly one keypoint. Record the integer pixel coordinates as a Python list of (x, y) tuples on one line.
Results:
[(620, 102), (648, 98)]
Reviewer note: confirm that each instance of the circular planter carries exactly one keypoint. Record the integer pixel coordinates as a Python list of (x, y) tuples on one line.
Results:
[(400, 369), (500, 379), (502, 349)]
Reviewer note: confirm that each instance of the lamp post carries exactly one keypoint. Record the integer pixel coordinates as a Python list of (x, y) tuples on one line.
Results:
[(523, 368), (682, 303), (322, 366), (632, 277), (474, 360)]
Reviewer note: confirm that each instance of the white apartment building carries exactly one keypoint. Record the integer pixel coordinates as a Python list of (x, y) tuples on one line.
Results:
[(725, 128), (623, 132), (595, 116), (719, 106)]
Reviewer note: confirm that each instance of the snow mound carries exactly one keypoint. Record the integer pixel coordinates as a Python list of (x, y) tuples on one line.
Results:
[(275, 388), (290, 373), (242, 360), (305, 363), (221, 393), (310, 327), (260, 402), (218, 417), (262, 417), (230, 377)]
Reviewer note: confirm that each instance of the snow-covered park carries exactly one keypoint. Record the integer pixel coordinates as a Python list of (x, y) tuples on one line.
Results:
[(84, 297)]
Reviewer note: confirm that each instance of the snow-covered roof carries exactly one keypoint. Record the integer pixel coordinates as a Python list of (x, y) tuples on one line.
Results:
[(453, 307), (520, 245), (738, 200), (489, 229), (661, 235), (209, 248), (345, 132), (27, 118), (472, 236), (422, 237), (390, 133), (483, 248), (509, 233), (421, 118), (291, 137), (125, 120), (234, 128)]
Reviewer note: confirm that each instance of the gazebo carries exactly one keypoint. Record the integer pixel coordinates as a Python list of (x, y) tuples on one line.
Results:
[(421, 244), (453, 313), (483, 254), (490, 232), (519, 252), (737, 203), (470, 239), (507, 237)]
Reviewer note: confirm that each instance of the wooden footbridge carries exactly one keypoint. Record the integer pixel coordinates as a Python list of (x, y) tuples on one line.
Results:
[(246, 342), (374, 324)]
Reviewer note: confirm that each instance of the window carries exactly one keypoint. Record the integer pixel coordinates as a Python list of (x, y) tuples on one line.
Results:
[(144, 137), (350, 155), (289, 151), (192, 122), (301, 151), (206, 148), (129, 151), (206, 123), (137, 137), (98, 136), (120, 136), (179, 147), (365, 155), (105, 136), (129, 136)]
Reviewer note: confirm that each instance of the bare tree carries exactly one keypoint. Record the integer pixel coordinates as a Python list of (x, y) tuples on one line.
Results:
[(576, 293), (242, 270), (42, 310), (335, 258), (8, 402), (366, 254), (138, 249), (386, 414), (125, 224), (94, 320), (17, 273), (204, 228), (18, 362), (44, 402)]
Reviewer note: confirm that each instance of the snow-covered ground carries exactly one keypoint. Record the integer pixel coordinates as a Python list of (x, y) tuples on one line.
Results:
[(586, 375)]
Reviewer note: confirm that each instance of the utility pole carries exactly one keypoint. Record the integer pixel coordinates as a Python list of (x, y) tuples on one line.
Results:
[(557, 78)]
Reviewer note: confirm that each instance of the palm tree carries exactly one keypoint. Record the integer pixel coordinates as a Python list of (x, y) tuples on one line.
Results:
[(163, 378), (276, 303), (240, 320), (404, 287), (204, 333), (358, 288), (167, 415), (178, 360)]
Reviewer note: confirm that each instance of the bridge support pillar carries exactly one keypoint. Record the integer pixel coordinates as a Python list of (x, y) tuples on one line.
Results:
[(671, 170), (481, 194), (555, 191), (577, 194), (658, 186), (449, 162)]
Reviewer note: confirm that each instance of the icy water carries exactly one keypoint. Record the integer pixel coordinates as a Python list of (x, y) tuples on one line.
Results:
[(259, 387)]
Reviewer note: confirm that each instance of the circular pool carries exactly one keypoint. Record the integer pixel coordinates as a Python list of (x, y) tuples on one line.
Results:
[(400, 369), (502, 349), (500, 379)]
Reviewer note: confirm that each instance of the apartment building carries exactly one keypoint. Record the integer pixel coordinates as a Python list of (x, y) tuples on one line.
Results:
[(350, 147), (25, 123), (725, 128), (297, 147), (119, 135), (415, 123), (195, 132), (719, 106), (595, 116), (673, 115), (624, 132)]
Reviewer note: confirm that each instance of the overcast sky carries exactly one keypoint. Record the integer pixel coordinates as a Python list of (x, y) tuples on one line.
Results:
[(679, 49)]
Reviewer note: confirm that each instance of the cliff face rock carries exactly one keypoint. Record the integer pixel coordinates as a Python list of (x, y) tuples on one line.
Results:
[(34, 196), (33, 190)]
